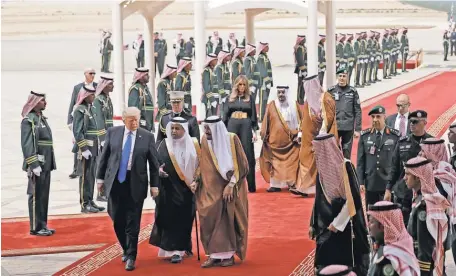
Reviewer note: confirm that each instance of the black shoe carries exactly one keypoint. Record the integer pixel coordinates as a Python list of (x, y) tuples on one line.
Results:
[(99, 208), (273, 190), (102, 198), (130, 266), (89, 209), (73, 175), (42, 232), (50, 230), (124, 258), (175, 259)]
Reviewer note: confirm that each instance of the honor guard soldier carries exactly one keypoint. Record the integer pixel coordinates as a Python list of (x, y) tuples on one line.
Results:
[(184, 82), (237, 66), (177, 110), (349, 55), (321, 59), (446, 44), (104, 111), (386, 55), (251, 70), (86, 135), (378, 56), (266, 81), (407, 147), (210, 97), (358, 59), (39, 161), (300, 55), (404, 49), (375, 153), (165, 85), (140, 97), (348, 111)]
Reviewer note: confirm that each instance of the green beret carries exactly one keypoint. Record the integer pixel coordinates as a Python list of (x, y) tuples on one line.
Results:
[(342, 70), (377, 110)]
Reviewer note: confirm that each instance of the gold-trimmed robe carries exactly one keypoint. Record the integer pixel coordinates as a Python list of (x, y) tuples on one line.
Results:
[(224, 225), (279, 157), (310, 127)]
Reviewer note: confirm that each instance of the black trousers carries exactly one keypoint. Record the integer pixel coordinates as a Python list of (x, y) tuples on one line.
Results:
[(385, 67), (453, 48), (404, 61), (125, 213), (75, 163), (359, 68), (105, 60), (406, 204), (140, 59), (346, 137), (445, 51), (373, 197), (87, 180), (38, 201), (350, 71), (365, 69)]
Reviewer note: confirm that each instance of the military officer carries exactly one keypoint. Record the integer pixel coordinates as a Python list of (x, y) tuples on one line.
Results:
[(375, 153), (210, 97), (140, 97), (397, 49), (165, 85), (391, 52), (386, 55), (184, 82), (266, 80), (251, 70), (237, 66), (106, 51), (177, 110), (446, 44), (348, 111), (340, 60), (407, 147), (104, 111), (138, 46), (358, 59), (86, 135), (39, 161), (222, 73), (321, 59), (300, 54), (365, 50), (349, 55), (159, 53), (378, 56), (404, 49)]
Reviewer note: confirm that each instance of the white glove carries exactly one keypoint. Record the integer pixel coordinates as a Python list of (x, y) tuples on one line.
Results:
[(87, 154), (102, 143), (214, 104), (268, 86), (252, 89), (300, 73), (37, 171)]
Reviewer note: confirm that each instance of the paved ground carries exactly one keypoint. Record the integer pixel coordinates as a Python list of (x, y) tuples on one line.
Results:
[(55, 75)]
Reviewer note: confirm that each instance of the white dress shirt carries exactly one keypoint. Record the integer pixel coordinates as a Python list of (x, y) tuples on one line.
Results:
[(398, 121), (133, 138)]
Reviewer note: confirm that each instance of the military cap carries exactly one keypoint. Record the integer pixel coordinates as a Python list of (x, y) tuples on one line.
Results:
[(377, 110), (176, 96), (342, 70), (421, 114)]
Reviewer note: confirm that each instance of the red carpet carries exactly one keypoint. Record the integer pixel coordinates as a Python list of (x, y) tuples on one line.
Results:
[(278, 222), (71, 232)]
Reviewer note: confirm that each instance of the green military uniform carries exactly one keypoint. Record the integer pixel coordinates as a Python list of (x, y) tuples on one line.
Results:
[(86, 135), (370, 58), (184, 83), (358, 60), (209, 46), (390, 45), (163, 87), (321, 60), (210, 97), (179, 49), (138, 45), (301, 68), (378, 57), (404, 49), (237, 68), (252, 73), (106, 54), (38, 151), (266, 81), (446, 45), (222, 73), (349, 56), (386, 55), (375, 154), (397, 49), (340, 60), (159, 48), (365, 51), (140, 97)]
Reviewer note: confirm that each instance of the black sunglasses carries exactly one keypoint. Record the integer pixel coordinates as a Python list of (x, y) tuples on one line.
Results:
[(401, 105), (414, 121), (92, 73)]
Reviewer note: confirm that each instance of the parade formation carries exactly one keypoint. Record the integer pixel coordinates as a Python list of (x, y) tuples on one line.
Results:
[(203, 174)]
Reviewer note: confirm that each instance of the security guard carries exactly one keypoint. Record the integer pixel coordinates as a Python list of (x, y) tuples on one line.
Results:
[(348, 111), (407, 147), (177, 110), (375, 152), (39, 161)]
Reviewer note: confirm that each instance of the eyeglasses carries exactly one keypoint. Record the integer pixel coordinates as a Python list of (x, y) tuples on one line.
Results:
[(414, 121), (92, 73), (402, 105)]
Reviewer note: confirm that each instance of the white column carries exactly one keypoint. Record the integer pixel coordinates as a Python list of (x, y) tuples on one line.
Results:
[(200, 56), (330, 13), (149, 58), (249, 27), (118, 53), (312, 38)]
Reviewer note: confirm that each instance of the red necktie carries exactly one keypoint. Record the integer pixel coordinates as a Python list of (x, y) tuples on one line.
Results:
[(402, 126)]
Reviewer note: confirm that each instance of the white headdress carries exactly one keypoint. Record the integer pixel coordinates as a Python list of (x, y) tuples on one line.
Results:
[(287, 109)]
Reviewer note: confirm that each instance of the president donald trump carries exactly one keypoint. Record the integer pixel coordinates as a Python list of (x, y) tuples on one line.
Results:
[(122, 172)]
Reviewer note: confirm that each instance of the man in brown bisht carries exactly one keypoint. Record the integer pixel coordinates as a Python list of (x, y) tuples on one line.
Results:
[(281, 134), (221, 198), (318, 116)]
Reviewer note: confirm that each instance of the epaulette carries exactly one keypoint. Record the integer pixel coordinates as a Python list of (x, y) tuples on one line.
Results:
[(403, 138), (352, 88), (365, 131), (332, 88), (395, 131)]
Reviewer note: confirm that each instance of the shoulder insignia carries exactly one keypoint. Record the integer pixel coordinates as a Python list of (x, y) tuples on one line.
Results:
[(332, 88), (422, 215), (353, 89), (388, 270), (368, 130), (403, 139), (395, 131)]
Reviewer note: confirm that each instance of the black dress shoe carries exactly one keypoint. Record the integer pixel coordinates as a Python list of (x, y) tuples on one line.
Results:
[(42, 232), (273, 190), (102, 198), (130, 266), (124, 258), (89, 209), (99, 208), (73, 175)]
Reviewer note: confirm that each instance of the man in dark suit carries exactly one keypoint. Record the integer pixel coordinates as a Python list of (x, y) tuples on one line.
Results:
[(89, 75), (399, 120), (122, 172)]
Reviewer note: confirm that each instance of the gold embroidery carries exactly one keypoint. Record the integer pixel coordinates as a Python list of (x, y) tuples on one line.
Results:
[(174, 161)]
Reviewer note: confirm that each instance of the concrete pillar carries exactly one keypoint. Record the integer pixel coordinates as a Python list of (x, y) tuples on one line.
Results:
[(330, 12), (312, 38), (249, 26), (118, 58), (149, 58), (200, 56)]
